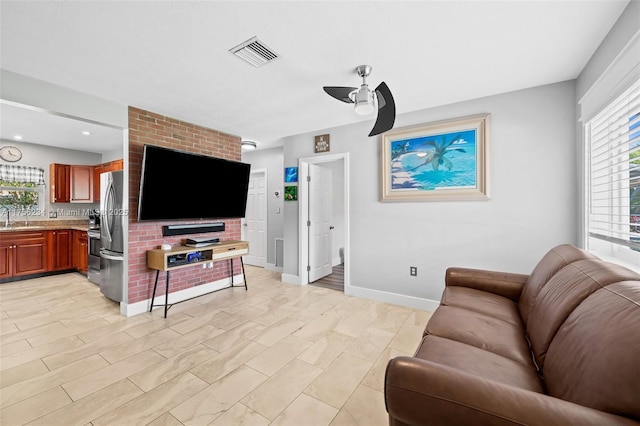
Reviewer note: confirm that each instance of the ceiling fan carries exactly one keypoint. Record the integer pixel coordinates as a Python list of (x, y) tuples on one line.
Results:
[(365, 100)]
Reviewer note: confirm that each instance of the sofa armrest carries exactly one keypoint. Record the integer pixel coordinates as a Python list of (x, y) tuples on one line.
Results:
[(501, 283), (419, 392)]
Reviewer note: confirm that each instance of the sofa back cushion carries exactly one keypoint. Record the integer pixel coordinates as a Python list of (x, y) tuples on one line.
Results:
[(563, 293), (556, 259), (594, 358)]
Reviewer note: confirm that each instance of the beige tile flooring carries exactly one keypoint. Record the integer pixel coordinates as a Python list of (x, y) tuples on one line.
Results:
[(277, 354)]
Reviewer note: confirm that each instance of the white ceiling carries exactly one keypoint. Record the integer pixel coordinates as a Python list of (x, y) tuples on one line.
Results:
[(43, 128), (172, 57)]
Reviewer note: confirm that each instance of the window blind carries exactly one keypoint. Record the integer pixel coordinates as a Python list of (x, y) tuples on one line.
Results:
[(613, 172)]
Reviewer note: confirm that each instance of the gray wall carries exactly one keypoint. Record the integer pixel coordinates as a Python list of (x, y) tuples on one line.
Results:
[(624, 30), (272, 161), (532, 172), (41, 156)]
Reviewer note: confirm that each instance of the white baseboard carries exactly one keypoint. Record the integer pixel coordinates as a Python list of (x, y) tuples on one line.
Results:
[(291, 279), (131, 309), (393, 298), (336, 261), (272, 267)]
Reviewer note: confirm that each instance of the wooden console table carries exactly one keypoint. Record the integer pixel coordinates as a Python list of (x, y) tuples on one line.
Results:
[(178, 258)]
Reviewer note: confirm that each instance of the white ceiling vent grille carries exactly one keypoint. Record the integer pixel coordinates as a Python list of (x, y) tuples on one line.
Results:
[(255, 52)]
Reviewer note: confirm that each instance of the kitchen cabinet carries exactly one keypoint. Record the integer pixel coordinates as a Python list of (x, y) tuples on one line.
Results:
[(60, 250), (22, 253), (97, 170), (60, 183), (80, 251), (103, 168), (71, 183), (81, 184)]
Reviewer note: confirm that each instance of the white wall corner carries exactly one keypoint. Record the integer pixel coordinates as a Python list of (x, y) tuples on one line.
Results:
[(292, 279), (393, 298), (272, 267)]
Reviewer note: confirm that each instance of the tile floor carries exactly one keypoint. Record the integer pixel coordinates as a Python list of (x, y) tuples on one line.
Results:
[(277, 354)]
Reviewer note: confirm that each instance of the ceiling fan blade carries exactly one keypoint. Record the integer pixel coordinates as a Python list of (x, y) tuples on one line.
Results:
[(386, 110), (340, 93)]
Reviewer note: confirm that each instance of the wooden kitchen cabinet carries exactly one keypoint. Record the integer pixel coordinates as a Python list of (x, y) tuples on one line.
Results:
[(59, 183), (80, 251), (71, 183), (97, 170), (60, 250), (102, 168), (22, 253), (81, 184), (6, 256)]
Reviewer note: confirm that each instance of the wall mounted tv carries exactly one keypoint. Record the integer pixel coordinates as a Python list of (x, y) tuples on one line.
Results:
[(181, 185)]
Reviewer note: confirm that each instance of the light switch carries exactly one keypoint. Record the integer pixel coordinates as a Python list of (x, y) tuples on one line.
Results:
[(277, 210)]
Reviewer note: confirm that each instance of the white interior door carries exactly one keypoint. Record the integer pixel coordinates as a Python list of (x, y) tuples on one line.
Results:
[(255, 223), (319, 224)]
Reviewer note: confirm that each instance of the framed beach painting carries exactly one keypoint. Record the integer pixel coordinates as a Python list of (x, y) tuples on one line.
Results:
[(440, 161)]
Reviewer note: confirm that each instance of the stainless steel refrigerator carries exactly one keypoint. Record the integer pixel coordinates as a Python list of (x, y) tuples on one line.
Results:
[(111, 235)]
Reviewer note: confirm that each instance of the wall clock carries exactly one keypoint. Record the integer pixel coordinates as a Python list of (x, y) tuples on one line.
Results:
[(10, 153)]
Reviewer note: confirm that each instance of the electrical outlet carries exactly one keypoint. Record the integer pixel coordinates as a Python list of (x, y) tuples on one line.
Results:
[(413, 271)]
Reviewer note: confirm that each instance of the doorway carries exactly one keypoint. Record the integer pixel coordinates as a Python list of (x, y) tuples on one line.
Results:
[(309, 239), (254, 228)]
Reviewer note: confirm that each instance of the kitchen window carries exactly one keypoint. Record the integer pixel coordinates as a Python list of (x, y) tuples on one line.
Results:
[(613, 178), (22, 189)]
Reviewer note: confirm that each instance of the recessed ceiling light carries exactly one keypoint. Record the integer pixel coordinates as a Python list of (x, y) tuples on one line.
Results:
[(86, 133), (18, 137)]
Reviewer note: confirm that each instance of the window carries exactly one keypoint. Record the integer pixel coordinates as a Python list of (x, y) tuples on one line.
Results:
[(613, 178), (21, 189)]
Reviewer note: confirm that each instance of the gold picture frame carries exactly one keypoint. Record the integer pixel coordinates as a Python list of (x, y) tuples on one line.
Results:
[(440, 161)]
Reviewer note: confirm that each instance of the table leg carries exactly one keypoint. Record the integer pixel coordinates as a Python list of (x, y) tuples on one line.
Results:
[(243, 275), (154, 291), (166, 297)]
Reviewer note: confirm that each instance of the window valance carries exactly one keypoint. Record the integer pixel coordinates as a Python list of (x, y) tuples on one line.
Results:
[(22, 174)]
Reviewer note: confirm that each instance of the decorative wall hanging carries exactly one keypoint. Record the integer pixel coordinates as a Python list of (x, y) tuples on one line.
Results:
[(290, 193), (290, 174), (321, 144), (440, 161)]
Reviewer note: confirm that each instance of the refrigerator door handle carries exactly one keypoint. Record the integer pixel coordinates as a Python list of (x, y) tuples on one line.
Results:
[(109, 211), (108, 256)]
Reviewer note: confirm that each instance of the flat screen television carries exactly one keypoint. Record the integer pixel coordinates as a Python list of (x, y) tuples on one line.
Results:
[(182, 185)]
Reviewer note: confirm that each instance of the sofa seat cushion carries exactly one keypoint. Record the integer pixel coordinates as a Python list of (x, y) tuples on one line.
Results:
[(482, 331), (482, 302), (479, 362)]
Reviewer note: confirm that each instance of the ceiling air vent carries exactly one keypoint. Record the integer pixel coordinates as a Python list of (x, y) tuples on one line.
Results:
[(255, 52)]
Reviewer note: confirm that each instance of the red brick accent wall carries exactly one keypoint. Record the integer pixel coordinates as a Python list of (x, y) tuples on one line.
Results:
[(154, 129)]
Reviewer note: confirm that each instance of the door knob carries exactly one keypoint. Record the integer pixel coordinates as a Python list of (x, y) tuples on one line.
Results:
[(331, 227)]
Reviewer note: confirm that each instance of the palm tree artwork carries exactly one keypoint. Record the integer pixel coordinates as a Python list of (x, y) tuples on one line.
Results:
[(441, 160), (437, 157)]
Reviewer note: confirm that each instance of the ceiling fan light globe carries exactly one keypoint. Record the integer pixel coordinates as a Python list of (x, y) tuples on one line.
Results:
[(364, 102), (364, 108)]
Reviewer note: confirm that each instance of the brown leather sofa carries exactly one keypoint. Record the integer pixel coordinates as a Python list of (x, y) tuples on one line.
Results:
[(558, 347)]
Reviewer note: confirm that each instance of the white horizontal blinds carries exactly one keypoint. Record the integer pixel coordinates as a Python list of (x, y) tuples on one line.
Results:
[(614, 171)]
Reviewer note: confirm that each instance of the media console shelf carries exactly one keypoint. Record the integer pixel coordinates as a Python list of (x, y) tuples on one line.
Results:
[(183, 257)]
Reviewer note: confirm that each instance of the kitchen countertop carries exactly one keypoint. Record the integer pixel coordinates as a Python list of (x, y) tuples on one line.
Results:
[(46, 225)]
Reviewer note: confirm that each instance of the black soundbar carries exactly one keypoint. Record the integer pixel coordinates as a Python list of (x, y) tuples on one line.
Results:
[(192, 228)]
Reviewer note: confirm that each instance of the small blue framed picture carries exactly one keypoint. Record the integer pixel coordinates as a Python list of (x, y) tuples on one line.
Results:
[(290, 174)]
